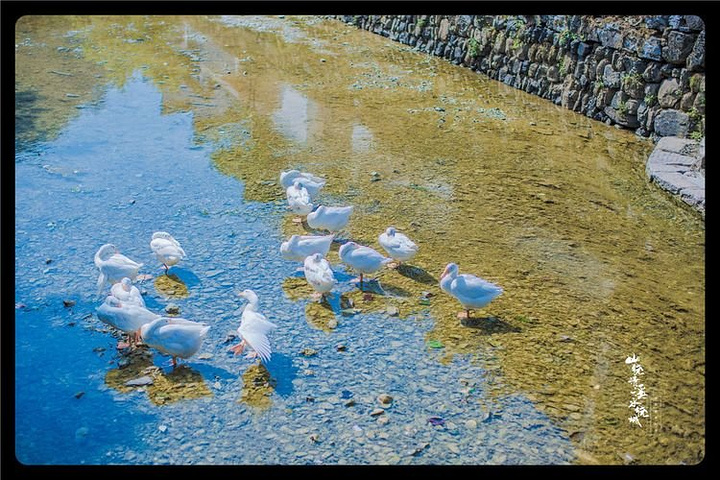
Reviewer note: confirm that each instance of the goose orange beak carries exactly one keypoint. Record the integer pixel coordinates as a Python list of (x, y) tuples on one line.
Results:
[(444, 273)]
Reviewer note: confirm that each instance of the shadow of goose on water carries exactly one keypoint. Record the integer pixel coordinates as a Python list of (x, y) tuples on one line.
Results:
[(283, 371), (417, 274), (489, 325)]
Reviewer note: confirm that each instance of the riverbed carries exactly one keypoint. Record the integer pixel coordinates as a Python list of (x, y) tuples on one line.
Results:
[(130, 125)]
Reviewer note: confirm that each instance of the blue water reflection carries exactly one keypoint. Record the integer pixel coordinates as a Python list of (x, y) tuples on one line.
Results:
[(121, 171)]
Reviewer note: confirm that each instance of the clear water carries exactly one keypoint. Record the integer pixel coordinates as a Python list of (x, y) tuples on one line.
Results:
[(131, 125)]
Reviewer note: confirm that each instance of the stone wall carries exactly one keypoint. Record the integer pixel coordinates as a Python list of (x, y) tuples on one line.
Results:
[(645, 73)]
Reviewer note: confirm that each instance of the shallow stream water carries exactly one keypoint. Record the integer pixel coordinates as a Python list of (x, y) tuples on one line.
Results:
[(130, 125)]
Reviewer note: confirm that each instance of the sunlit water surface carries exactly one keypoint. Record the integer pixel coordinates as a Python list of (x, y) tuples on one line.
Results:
[(131, 125)]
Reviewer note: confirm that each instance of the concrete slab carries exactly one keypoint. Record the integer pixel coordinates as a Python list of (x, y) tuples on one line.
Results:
[(674, 144)]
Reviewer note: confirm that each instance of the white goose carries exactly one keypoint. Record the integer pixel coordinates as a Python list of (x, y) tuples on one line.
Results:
[(254, 329), (114, 266), (127, 317), (298, 199), (332, 219), (471, 291), (319, 274), (362, 259), (312, 183), (397, 245), (126, 292), (299, 247), (177, 337), (167, 250)]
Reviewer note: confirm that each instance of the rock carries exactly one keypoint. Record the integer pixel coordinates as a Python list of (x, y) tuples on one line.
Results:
[(696, 59), (308, 352), (610, 36), (392, 311), (436, 421), (471, 424), (79, 394), (694, 22), (231, 336), (385, 400), (383, 420), (162, 428), (671, 123), (610, 77), (172, 309), (656, 22), (652, 73), (679, 45), (418, 450), (583, 49), (341, 348), (376, 411), (669, 93), (68, 303), (651, 49), (686, 102), (136, 382), (622, 118), (205, 356)]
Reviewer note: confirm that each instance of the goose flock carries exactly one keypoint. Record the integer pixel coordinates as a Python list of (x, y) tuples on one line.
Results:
[(124, 307)]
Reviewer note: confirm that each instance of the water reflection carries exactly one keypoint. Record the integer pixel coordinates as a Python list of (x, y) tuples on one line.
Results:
[(294, 115), (361, 139)]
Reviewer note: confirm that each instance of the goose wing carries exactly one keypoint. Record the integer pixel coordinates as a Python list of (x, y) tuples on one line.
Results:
[(319, 272), (254, 329), (475, 287), (179, 336)]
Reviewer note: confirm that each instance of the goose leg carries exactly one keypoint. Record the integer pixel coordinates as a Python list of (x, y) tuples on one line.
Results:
[(252, 355), (238, 349)]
